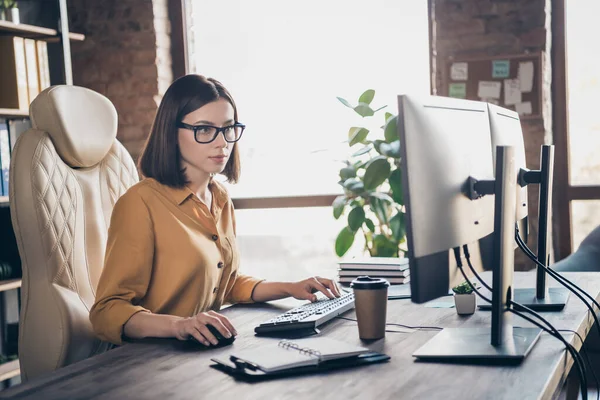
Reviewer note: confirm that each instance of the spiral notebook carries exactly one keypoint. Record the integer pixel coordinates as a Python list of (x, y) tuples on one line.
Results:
[(302, 355)]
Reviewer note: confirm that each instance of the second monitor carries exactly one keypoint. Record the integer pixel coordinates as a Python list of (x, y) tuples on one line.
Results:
[(505, 128)]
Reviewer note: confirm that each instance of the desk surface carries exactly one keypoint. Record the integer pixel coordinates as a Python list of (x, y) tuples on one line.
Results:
[(166, 369)]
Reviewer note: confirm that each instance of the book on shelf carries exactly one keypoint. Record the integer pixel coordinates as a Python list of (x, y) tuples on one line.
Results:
[(376, 263), (15, 128), (13, 74), (43, 65), (374, 273), (31, 63), (391, 280), (4, 157)]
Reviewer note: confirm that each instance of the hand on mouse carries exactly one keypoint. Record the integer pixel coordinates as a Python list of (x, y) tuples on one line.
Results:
[(304, 290), (196, 326)]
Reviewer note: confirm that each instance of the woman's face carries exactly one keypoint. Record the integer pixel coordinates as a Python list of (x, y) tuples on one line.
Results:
[(201, 159)]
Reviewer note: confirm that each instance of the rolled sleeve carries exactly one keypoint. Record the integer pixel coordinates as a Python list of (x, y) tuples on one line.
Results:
[(242, 289), (127, 268)]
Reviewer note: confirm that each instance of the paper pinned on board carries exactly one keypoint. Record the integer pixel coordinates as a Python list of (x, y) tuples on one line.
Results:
[(500, 69), (526, 76), (523, 108), (489, 89), (512, 92), (459, 71), (457, 90)]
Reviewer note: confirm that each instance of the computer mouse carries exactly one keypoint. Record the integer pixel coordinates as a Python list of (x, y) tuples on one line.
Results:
[(223, 341)]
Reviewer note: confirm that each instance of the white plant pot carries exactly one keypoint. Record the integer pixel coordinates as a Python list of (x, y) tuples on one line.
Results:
[(465, 303), (12, 15)]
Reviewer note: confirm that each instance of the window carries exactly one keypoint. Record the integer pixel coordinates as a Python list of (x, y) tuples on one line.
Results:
[(285, 63), (583, 57)]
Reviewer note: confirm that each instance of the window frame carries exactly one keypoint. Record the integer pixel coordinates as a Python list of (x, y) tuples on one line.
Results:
[(564, 191)]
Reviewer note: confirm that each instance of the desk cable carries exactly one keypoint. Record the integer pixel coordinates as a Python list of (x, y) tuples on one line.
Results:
[(561, 279), (587, 359), (400, 325), (577, 359)]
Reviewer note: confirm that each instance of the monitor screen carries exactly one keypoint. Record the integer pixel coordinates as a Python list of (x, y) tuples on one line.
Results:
[(444, 141)]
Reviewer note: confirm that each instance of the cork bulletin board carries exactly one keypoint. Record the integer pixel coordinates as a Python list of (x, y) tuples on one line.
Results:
[(510, 81)]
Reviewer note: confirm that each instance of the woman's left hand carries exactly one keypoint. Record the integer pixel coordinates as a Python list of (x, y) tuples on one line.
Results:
[(305, 289)]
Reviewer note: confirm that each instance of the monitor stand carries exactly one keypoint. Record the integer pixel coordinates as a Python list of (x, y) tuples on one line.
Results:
[(541, 298), (503, 343)]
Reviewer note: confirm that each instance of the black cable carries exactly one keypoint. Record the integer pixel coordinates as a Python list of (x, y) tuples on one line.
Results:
[(587, 358), (552, 272), (468, 257), (459, 265), (400, 325), (564, 281), (576, 356)]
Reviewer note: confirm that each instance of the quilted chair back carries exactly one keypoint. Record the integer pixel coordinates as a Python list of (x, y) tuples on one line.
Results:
[(66, 174)]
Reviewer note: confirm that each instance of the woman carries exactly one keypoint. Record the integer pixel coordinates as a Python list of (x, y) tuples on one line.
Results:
[(171, 257)]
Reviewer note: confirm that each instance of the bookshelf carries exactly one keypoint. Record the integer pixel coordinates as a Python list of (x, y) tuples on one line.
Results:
[(60, 70), (10, 284), (35, 32), (13, 113), (9, 370)]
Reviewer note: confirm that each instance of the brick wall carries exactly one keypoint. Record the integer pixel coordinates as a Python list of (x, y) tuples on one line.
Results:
[(126, 57), (495, 27)]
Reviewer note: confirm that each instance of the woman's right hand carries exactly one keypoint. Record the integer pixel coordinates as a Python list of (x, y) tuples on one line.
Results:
[(196, 326)]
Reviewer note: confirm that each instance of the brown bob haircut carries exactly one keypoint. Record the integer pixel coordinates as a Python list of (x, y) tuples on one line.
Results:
[(161, 158)]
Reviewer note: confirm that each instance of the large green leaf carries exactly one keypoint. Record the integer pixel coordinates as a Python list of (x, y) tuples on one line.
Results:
[(370, 224), (384, 247), (396, 186), (394, 149), (356, 218), (344, 241), (380, 209), (398, 225), (367, 96), (338, 206), (347, 172), (344, 102), (391, 129), (357, 135), (382, 196), (362, 151), (377, 172), (364, 110), (355, 185)]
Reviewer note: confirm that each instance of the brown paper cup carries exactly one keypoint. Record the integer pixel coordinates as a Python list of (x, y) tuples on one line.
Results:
[(370, 301)]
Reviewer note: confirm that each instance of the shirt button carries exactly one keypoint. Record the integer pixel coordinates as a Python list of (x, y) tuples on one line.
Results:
[(215, 237), (215, 290), (220, 264)]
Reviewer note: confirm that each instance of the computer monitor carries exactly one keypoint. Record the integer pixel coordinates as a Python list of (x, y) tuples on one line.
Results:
[(447, 141), (505, 127), (445, 144)]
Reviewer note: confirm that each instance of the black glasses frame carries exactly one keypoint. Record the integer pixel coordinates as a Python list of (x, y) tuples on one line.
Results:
[(195, 128)]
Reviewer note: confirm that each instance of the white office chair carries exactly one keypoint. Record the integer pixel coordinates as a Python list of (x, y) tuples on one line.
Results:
[(65, 176)]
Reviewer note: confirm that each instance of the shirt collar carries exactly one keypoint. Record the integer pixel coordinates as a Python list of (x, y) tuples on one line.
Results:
[(180, 195)]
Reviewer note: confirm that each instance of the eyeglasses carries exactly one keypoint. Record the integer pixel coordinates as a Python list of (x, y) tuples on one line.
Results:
[(208, 133)]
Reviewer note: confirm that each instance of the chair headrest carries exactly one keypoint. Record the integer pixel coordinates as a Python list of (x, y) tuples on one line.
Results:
[(81, 123)]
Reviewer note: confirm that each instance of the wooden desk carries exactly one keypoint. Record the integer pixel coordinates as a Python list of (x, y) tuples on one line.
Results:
[(168, 369)]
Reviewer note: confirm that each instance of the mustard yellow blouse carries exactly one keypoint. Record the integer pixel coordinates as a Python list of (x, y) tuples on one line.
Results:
[(168, 254)]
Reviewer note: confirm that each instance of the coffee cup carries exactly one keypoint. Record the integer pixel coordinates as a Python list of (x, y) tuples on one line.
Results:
[(370, 302)]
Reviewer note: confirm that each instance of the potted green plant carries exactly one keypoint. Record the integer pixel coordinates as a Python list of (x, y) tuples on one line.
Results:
[(464, 298), (9, 11), (371, 181)]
